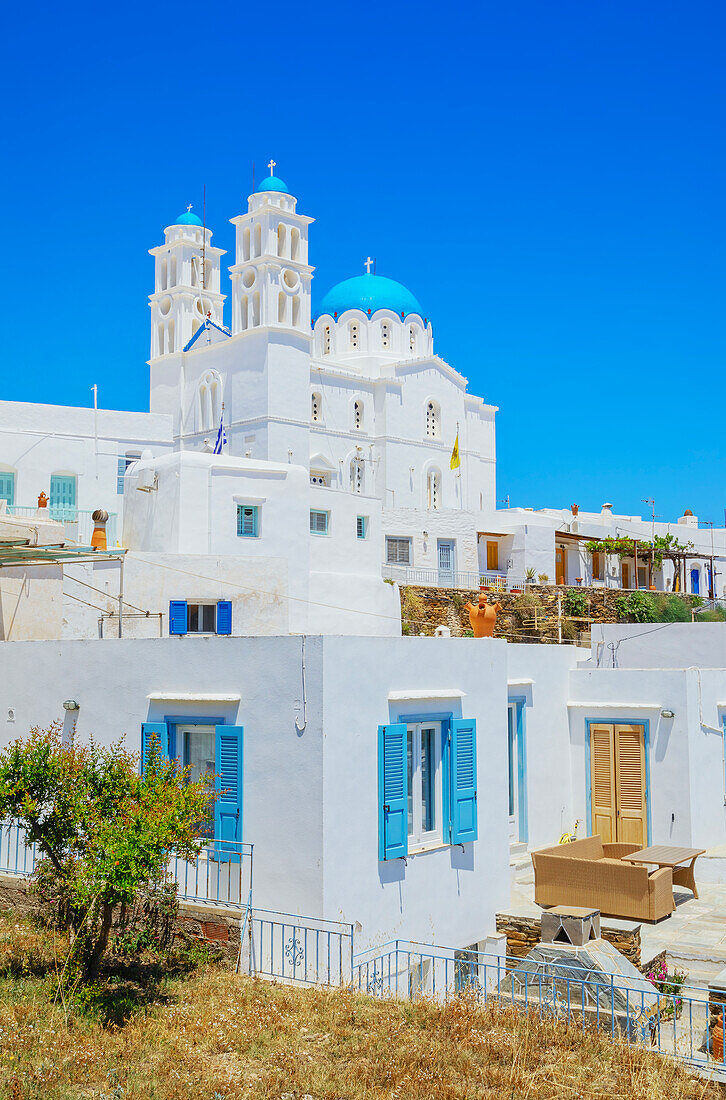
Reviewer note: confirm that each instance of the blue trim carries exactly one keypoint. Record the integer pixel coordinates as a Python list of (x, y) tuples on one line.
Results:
[(206, 324), (445, 718), (520, 704), (645, 723)]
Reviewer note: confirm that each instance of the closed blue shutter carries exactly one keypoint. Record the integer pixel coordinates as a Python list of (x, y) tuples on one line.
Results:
[(154, 731), (463, 781), (228, 807), (62, 500), (7, 488), (224, 617), (392, 792), (178, 617)]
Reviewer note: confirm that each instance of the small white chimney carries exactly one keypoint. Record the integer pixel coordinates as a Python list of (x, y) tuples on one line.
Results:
[(606, 510), (688, 519)]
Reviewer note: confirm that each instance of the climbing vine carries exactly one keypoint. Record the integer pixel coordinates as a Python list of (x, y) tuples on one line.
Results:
[(662, 546)]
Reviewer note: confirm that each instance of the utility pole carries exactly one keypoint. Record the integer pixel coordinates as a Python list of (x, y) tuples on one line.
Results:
[(711, 586)]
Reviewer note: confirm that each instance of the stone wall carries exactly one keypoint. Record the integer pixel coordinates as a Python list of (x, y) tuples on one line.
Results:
[(523, 933), (530, 616), (218, 927)]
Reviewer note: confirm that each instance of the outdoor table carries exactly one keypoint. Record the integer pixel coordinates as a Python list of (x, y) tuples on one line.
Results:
[(666, 855)]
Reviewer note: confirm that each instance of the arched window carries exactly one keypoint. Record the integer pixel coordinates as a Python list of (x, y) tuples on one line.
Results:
[(316, 408), (433, 420), (295, 244), (162, 275), (243, 306), (281, 239), (385, 334), (258, 240), (171, 336), (353, 334), (160, 340), (210, 401), (433, 489), (358, 414), (172, 271), (246, 243), (296, 311), (357, 475), (411, 338), (326, 340), (281, 307), (195, 270)]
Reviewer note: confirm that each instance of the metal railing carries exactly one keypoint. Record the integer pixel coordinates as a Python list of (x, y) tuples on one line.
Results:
[(685, 1025), (456, 578), (299, 950), (221, 874), (77, 521)]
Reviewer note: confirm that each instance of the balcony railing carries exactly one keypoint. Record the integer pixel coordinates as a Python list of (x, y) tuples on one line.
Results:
[(77, 522), (451, 578)]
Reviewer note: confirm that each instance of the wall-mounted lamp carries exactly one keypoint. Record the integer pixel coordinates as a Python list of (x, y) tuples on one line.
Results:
[(71, 704), (667, 714), (425, 534)]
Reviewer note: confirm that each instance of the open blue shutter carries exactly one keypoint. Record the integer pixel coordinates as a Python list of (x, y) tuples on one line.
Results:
[(463, 780), (158, 731), (392, 792), (224, 616), (228, 807), (178, 617)]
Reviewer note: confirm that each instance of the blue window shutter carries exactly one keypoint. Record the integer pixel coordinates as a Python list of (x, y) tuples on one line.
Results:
[(158, 731), (228, 781), (177, 616), (392, 792), (463, 781), (224, 616)]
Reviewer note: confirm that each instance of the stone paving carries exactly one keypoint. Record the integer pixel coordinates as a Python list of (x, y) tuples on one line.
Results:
[(694, 936)]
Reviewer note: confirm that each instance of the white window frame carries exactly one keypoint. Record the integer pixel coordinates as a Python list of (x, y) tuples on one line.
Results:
[(420, 839), (397, 539), (201, 603)]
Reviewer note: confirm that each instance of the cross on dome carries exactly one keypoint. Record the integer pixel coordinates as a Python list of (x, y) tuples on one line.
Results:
[(367, 265), (272, 164), (189, 207)]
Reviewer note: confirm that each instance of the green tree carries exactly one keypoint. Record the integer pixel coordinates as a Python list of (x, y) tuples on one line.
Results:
[(105, 829)]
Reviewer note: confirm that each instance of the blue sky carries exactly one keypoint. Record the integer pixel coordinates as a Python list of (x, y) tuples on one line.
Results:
[(547, 178)]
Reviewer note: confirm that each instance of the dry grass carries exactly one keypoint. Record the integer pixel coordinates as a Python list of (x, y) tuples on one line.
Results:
[(216, 1035)]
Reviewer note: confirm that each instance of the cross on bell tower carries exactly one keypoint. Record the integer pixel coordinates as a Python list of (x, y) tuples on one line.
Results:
[(367, 265), (272, 164)]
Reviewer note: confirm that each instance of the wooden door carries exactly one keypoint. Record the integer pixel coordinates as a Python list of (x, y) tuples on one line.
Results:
[(492, 557), (630, 785), (560, 559), (602, 783), (625, 569)]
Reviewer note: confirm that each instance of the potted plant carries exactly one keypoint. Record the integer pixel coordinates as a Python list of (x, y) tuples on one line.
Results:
[(669, 985), (530, 575), (543, 578)]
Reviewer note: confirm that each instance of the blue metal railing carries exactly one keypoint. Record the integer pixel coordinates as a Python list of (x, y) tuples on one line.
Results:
[(77, 521), (301, 950), (684, 1025), (220, 874)]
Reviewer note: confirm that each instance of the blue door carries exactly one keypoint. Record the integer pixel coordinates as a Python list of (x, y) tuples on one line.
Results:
[(7, 487), (695, 575), (63, 497), (446, 563)]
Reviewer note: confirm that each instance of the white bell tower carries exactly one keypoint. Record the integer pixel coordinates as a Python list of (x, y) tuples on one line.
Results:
[(271, 277), (186, 286)]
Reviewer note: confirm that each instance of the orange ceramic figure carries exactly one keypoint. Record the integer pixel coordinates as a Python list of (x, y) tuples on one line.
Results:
[(42, 501), (484, 617)]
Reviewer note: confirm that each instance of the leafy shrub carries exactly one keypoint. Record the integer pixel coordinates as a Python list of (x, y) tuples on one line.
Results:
[(570, 631), (148, 926), (621, 606), (671, 609), (575, 603), (641, 607)]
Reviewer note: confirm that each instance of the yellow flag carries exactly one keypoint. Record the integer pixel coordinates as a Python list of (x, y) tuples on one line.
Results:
[(455, 460)]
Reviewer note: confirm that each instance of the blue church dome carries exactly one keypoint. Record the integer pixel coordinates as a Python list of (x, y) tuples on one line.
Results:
[(369, 293), (187, 218), (273, 183)]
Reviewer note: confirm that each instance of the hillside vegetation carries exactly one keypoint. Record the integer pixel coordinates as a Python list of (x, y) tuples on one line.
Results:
[(215, 1036)]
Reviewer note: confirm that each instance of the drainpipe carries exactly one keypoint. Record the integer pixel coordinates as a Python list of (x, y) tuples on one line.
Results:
[(121, 599)]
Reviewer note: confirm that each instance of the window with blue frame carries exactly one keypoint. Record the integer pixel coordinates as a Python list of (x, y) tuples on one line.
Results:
[(211, 751), (361, 527), (319, 522), (7, 487), (186, 617), (427, 785), (62, 500), (247, 521), (124, 461)]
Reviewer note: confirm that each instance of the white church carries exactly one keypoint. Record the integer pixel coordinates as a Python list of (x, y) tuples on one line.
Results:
[(290, 466)]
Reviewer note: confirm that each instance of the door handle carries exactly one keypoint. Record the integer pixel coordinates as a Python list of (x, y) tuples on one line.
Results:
[(386, 808)]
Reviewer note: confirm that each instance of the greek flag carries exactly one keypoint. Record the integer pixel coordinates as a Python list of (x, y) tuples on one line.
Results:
[(221, 437)]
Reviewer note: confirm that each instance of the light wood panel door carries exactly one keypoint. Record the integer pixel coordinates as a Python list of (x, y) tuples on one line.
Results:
[(618, 790), (602, 789), (630, 785), (560, 563)]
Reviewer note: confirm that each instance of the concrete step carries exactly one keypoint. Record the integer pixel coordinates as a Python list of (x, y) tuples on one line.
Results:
[(516, 849)]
